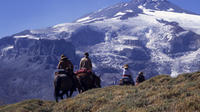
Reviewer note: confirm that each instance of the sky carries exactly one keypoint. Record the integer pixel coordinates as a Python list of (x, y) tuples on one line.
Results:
[(19, 15)]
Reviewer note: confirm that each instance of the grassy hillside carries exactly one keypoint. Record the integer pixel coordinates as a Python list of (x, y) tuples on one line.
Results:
[(159, 94)]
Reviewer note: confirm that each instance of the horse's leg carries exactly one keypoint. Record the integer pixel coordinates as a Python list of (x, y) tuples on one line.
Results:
[(71, 92), (93, 86), (97, 82), (85, 87), (56, 96), (73, 88), (79, 90), (82, 86), (57, 84), (67, 94), (56, 93), (61, 95), (79, 87)]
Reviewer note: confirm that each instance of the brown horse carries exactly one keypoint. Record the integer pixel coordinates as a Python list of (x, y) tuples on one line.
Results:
[(88, 81), (63, 84), (97, 81)]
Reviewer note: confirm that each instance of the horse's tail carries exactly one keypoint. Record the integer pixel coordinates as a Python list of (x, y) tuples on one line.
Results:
[(57, 85)]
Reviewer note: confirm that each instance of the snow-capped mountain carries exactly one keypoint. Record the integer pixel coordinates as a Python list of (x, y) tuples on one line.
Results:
[(131, 9), (153, 36)]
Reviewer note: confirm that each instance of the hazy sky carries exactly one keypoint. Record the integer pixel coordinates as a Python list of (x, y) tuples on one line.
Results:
[(18, 15)]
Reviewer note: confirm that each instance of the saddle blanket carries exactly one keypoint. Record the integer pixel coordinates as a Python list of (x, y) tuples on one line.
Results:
[(83, 71)]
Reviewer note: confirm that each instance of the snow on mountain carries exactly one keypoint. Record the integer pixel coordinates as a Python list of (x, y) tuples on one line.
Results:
[(153, 36), (131, 9), (26, 36), (187, 21)]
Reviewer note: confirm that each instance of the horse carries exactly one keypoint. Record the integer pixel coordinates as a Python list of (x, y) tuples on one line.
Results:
[(126, 81), (88, 81), (63, 84), (97, 81)]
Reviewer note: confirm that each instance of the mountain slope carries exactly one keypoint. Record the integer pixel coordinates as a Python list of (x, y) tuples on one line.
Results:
[(27, 67), (161, 93)]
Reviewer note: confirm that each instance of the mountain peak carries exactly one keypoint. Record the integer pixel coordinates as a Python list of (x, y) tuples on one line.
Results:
[(162, 5), (143, 1), (130, 9)]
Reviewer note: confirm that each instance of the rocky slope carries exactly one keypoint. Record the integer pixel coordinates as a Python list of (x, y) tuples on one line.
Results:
[(27, 67)]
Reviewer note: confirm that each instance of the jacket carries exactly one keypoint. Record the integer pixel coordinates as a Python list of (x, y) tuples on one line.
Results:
[(65, 64), (86, 63), (127, 73), (140, 78)]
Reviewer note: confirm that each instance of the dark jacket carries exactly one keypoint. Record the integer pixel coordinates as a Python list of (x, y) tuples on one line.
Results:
[(65, 64), (140, 78)]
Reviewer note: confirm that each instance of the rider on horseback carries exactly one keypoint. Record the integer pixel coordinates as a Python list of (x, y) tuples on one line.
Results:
[(65, 64), (86, 65), (85, 62), (127, 75), (140, 78)]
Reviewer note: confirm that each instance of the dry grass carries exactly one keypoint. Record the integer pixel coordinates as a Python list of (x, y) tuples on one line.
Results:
[(29, 106), (159, 94)]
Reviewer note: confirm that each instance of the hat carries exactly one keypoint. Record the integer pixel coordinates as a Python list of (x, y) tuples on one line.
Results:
[(86, 54), (63, 58), (62, 55), (125, 66), (140, 73)]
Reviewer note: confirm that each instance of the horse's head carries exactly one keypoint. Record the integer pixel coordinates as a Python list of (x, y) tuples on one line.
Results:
[(98, 81)]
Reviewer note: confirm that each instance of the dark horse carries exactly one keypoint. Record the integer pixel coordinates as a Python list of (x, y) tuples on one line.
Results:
[(126, 81), (88, 81), (63, 84)]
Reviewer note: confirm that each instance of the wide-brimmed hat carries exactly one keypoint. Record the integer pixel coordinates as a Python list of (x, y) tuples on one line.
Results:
[(63, 57), (125, 66)]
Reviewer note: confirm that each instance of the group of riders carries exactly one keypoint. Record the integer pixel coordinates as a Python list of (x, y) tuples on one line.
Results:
[(83, 79), (66, 66), (127, 77)]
